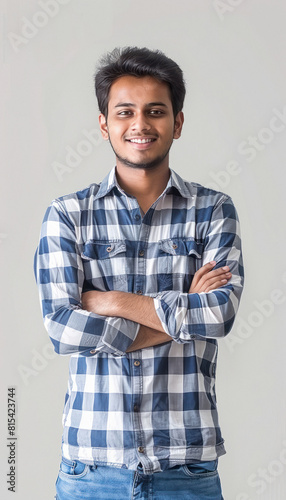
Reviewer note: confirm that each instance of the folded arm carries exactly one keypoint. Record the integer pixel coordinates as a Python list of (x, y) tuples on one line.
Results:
[(141, 309), (208, 309), (60, 276), (208, 314)]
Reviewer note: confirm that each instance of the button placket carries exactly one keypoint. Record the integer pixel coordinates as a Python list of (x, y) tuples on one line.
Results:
[(140, 278), (137, 387)]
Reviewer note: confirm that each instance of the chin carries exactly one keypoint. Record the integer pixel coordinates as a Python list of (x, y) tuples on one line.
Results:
[(151, 165)]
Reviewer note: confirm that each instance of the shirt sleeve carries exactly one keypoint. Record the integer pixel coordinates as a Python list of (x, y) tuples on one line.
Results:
[(187, 316), (59, 275)]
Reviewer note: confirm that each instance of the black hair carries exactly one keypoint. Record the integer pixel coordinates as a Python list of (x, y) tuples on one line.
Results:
[(138, 62)]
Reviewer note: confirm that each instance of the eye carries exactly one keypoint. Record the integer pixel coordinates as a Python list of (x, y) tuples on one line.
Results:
[(156, 112), (125, 112)]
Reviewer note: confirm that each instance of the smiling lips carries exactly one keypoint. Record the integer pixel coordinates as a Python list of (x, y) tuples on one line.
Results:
[(141, 141)]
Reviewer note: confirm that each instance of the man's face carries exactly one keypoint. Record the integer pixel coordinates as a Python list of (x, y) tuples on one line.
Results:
[(140, 124)]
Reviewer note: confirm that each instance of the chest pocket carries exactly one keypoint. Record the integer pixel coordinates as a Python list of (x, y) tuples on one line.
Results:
[(178, 260), (105, 264)]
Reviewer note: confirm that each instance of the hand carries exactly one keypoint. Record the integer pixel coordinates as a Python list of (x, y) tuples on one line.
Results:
[(206, 280)]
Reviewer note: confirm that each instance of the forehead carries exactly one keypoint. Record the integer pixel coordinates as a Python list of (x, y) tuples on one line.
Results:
[(138, 91)]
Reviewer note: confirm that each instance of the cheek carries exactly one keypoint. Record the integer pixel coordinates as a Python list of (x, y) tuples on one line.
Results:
[(116, 132), (168, 129)]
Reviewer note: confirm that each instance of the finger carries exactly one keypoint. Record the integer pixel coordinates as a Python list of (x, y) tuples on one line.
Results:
[(202, 271), (216, 285), (204, 284), (205, 269), (216, 281), (221, 272), (212, 279), (216, 272)]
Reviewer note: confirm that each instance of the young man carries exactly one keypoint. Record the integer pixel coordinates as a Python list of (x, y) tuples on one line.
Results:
[(138, 277)]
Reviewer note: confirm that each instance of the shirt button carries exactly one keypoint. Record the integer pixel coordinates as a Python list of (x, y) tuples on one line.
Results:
[(141, 253), (93, 351), (137, 363), (137, 217), (175, 246), (192, 336), (139, 292), (109, 249), (141, 449), (136, 408)]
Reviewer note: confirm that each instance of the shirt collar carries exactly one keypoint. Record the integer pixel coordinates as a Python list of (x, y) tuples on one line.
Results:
[(110, 182), (175, 181)]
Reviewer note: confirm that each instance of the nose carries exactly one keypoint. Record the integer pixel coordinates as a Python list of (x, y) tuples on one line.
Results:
[(140, 123)]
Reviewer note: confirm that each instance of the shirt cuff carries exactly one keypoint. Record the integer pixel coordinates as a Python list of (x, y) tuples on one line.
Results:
[(172, 308), (118, 336), (166, 305)]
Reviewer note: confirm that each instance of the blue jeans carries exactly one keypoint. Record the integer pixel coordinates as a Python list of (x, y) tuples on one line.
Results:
[(78, 481)]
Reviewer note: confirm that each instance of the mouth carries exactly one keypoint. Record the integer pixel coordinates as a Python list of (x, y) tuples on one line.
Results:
[(141, 141)]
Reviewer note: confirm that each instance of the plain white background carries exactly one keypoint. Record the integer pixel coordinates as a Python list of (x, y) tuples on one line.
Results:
[(232, 53)]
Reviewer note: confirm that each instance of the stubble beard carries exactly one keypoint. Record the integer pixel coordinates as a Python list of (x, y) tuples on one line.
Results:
[(145, 165)]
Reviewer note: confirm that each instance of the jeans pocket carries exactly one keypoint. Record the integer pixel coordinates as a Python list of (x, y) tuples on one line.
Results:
[(73, 469), (201, 469)]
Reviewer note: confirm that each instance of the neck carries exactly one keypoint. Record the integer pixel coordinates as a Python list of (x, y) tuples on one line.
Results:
[(145, 185)]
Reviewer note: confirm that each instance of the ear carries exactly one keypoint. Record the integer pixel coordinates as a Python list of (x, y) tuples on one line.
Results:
[(179, 120), (103, 127)]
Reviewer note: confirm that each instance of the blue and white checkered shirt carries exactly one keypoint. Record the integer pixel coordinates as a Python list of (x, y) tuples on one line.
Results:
[(155, 406)]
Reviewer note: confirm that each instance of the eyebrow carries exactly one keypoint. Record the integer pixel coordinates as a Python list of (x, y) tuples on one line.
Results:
[(131, 105)]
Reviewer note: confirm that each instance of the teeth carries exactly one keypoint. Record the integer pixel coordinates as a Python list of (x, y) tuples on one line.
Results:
[(141, 141)]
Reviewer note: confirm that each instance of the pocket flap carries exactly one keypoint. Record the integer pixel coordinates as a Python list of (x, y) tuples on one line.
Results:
[(181, 246), (194, 248), (102, 249), (167, 246)]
